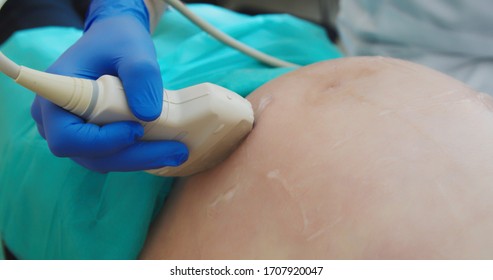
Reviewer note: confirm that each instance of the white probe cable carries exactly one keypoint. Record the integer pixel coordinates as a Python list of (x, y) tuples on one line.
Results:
[(9, 67), (12, 69), (228, 40)]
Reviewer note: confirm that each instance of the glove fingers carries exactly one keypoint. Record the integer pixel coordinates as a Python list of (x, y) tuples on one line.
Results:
[(69, 136), (37, 116), (140, 156), (143, 86)]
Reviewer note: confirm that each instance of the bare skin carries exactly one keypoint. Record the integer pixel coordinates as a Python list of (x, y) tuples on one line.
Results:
[(361, 158)]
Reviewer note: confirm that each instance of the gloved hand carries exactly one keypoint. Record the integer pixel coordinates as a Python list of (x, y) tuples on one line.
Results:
[(116, 41)]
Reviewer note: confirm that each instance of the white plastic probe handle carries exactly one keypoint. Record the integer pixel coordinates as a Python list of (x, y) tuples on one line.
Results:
[(209, 119), (72, 94)]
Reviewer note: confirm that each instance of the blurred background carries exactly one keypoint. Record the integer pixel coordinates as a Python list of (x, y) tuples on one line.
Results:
[(24, 14), (322, 12)]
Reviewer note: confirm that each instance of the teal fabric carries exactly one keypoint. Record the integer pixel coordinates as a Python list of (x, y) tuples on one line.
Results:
[(51, 208), (2, 255)]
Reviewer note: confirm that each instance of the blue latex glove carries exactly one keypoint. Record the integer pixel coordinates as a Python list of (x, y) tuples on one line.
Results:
[(117, 42)]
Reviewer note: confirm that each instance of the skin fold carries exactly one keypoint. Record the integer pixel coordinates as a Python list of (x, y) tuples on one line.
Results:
[(356, 158)]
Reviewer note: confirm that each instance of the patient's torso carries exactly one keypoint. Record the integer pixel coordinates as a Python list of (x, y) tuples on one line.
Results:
[(359, 158)]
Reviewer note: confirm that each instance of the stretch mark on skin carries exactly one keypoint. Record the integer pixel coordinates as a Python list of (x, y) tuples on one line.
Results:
[(386, 112), (222, 198), (344, 141), (486, 100), (264, 101), (324, 229), (276, 175)]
